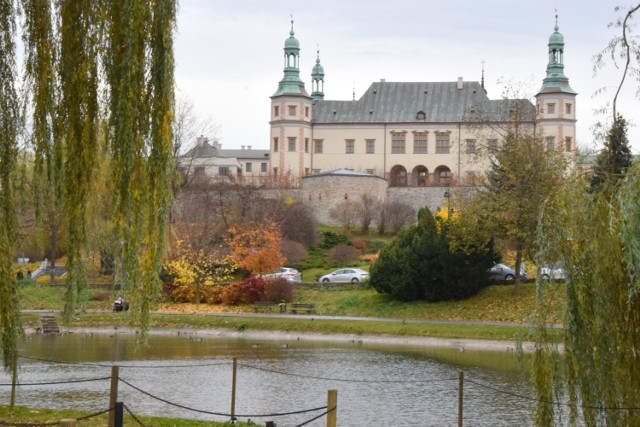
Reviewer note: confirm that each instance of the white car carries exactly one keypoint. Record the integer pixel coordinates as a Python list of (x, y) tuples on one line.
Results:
[(290, 274), (353, 275), (552, 271)]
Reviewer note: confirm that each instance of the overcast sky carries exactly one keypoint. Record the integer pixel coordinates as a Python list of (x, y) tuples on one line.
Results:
[(229, 53)]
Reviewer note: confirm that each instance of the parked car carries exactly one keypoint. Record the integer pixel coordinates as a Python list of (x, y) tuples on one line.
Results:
[(552, 271), (290, 274), (353, 275), (503, 273)]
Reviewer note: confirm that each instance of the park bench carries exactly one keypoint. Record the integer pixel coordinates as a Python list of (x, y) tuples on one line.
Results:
[(309, 308), (263, 305)]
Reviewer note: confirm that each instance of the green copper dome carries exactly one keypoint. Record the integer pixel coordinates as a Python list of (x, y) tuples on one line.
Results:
[(291, 43), (291, 83), (318, 70), (556, 38), (556, 81)]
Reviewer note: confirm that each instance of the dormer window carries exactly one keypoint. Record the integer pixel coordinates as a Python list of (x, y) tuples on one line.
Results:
[(421, 115)]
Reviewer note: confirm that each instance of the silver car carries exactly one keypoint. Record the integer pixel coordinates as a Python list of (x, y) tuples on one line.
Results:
[(353, 275), (503, 273), (290, 274)]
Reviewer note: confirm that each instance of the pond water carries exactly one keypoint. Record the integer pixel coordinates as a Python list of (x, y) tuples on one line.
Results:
[(376, 385)]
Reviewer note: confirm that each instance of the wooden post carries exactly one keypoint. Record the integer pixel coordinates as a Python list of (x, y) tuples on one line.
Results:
[(460, 396), (332, 407), (14, 380), (113, 395), (119, 414), (68, 423), (233, 390)]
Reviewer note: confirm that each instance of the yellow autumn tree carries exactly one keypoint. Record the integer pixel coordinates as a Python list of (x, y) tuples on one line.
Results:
[(193, 269), (256, 247)]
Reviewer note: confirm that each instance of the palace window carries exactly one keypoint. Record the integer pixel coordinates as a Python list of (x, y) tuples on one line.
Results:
[(471, 146), (263, 167), (420, 143), (317, 145), (397, 142), (248, 167), (567, 108), (568, 146), (223, 171), (292, 143), (292, 110), (306, 145), (306, 111), (492, 145), (371, 146), (551, 108), (276, 111), (442, 143), (275, 144), (550, 141), (349, 146)]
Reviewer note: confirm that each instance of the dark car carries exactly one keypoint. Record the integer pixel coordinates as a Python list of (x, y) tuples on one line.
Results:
[(503, 273)]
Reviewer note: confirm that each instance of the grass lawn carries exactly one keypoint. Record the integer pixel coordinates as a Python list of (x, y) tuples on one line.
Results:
[(494, 304), (21, 415)]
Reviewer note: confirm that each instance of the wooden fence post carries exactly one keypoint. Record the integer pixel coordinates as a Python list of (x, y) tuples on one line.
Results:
[(460, 397), (14, 380), (233, 390), (113, 395), (332, 407)]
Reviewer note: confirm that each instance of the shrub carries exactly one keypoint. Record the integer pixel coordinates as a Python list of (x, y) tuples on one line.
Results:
[(293, 251), (249, 290), (358, 244), (331, 239), (343, 254), (419, 265), (279, 290)]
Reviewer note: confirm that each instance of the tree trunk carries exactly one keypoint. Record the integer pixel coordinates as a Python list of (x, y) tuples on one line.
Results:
[(519, 249)]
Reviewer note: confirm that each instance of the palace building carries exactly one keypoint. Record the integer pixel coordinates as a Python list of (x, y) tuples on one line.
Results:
[(410, 133)]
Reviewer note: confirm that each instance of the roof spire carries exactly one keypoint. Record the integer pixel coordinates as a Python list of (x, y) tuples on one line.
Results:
[(556, 81), (482, 79), (317, 79), (291, 83)]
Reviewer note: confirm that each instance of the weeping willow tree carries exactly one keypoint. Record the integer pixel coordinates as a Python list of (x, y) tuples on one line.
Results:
[(139, 64), (593, 227), (9, 120), (76, 51)]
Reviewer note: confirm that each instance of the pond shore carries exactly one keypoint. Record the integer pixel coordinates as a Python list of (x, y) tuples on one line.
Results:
[(293, 336)]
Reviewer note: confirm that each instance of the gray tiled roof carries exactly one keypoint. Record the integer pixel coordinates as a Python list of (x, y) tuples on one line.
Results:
[(400, 102), (342, 172), (203, 150), (246, 154)]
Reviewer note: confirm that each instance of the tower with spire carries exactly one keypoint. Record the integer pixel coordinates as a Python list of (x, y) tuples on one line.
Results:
[(556, 101), (291, 115), (317, 80)]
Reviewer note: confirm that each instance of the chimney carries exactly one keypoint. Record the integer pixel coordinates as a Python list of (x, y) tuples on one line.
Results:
[(459, 83), (201, 140), (382, 80), (216, 144), (242, 147), (248, 147)]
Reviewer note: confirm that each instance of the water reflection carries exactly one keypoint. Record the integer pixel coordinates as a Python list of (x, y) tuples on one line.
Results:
[(377, 385)]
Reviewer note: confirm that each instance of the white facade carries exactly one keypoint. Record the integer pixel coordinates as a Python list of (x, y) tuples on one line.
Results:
[(411, 133)]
